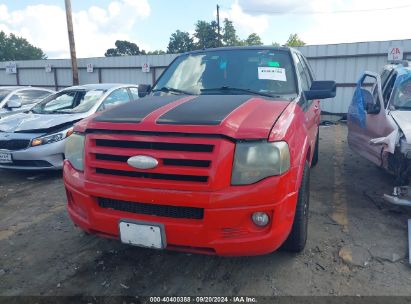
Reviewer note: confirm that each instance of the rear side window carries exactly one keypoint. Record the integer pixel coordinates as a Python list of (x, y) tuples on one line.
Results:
[(117, 97), (134, 92)]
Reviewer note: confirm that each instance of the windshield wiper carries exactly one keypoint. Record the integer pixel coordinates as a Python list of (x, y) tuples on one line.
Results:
[(249, 91), (172, 90)]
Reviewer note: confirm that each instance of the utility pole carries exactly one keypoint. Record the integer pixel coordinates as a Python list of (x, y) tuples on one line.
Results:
[(218, 25), (71, 42)]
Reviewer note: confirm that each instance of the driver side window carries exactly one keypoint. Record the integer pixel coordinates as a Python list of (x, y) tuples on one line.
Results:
[(370, 94)]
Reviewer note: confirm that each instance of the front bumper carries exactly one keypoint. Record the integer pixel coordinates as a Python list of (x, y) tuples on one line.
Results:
[(45, 157), (226, 228)]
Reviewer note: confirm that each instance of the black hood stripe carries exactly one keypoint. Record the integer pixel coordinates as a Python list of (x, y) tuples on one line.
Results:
[(136, 111), (203, 110)]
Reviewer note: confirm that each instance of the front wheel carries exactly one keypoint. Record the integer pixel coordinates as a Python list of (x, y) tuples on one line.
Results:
[(298, 235)]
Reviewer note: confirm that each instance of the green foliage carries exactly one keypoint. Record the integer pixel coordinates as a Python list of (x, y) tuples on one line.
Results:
[(253, 39), (294, 40), (206, 34), (276, 44), (180, 42), (18, 48), (156, 52), (230, 37), (124, 48)]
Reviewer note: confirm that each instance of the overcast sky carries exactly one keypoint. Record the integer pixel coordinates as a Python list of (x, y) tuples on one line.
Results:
[(149, 23)]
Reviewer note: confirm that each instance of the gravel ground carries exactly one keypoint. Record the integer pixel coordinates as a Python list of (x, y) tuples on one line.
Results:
[(357, 243)]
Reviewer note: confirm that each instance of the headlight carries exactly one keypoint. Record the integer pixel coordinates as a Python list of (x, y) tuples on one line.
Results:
[(254, 161), (75, 151), (49, 139)]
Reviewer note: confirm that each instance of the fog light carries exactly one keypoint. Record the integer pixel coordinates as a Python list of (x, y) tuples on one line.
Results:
[(261, 219)]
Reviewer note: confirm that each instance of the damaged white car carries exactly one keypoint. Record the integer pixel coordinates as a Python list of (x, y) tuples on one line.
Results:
[(379, 125)]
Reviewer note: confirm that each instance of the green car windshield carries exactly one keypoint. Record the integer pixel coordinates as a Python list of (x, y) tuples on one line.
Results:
[(242, 71)]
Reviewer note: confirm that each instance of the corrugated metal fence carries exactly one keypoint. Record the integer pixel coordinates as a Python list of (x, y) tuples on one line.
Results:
[(127, 69), (340, 62)]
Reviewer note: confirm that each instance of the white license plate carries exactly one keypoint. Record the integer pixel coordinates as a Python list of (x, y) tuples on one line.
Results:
[(5, 157), (142, 234)]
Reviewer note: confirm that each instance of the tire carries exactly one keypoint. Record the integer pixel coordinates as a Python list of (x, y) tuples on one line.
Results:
[(314, 161), (298, 235)]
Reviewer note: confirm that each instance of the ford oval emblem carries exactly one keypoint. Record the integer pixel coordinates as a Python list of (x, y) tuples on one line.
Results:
[(142, 162)]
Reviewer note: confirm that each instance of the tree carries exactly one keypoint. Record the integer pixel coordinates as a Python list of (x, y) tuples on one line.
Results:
[(294, 40), (13, 48), (230, 37), (156, 52), (206, 34), (124, 48), (253, 39), (180, 42), (276, 44)]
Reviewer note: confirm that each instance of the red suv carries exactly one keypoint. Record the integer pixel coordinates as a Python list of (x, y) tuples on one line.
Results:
[(215, 159)]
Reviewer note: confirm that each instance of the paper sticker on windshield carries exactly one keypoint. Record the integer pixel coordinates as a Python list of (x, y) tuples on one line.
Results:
[(272, 73)]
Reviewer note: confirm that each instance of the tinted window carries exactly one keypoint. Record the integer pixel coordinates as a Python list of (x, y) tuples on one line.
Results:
[(305, 81), (307, 68), (264, 71)]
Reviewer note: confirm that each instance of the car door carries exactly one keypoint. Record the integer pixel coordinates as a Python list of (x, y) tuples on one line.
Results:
[(115, 98), (367, 117), (310, 107)]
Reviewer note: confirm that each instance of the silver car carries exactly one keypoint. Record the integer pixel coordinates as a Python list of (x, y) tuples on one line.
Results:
[(15, 100), (35, 140)]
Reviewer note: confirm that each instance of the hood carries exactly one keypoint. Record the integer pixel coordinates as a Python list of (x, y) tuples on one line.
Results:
[(403, 120), (236, 116), (37, 123)]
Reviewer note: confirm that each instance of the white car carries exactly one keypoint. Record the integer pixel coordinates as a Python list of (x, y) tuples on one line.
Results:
[(35, 139), (15, 100)]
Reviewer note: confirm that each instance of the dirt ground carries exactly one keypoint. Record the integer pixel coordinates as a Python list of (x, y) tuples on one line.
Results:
[(357, 244)]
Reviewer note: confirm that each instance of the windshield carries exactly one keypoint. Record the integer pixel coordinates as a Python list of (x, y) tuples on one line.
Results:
[(68, 102), (268, 72), (402, 92), (3, 94)]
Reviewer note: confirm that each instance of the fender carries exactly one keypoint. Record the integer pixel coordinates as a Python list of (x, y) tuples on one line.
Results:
[(288, 128)]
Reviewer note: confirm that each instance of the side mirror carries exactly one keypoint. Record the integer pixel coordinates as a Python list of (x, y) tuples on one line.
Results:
[(321, 90), (143, 90), (14, 103)]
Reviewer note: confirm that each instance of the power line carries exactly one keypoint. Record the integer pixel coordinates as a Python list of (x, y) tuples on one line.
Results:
[(267, 12)]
